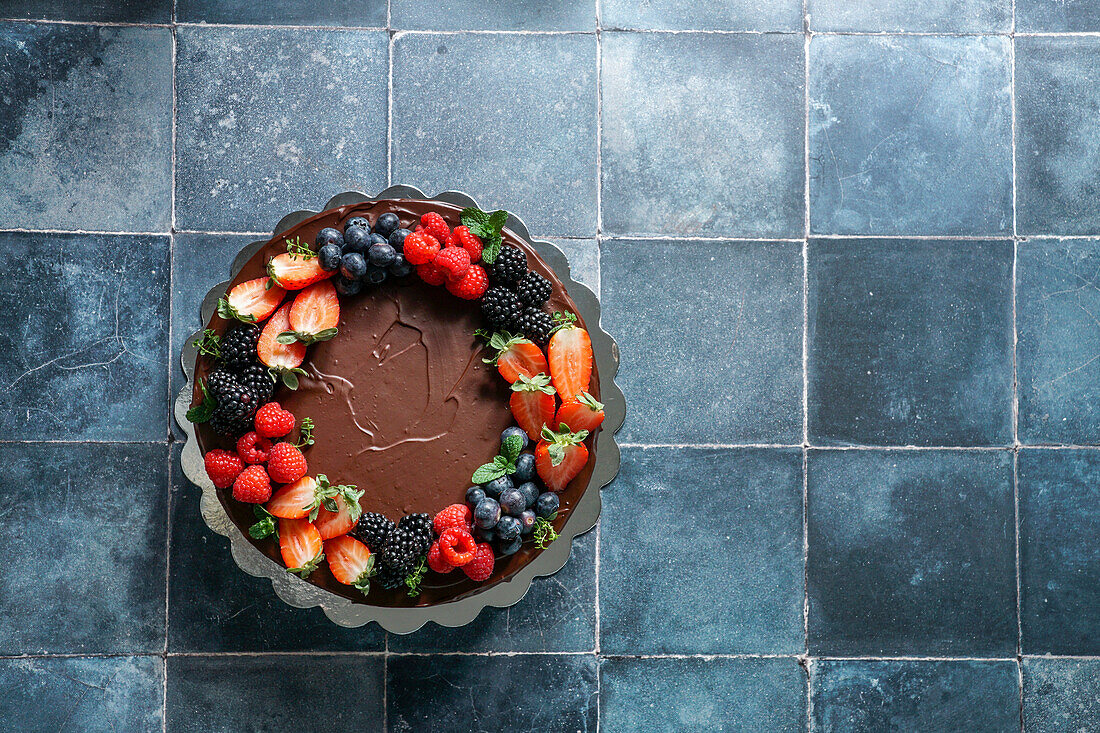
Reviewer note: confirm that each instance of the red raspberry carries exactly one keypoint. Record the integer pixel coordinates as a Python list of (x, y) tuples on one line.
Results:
[(222, 467), (418, 228), (481, 567), (468, 241), (252, 447), (472, 286), (420, 248), (272, 421), (450, 241), (457, 546), (453, 261), (285, 463), (456, 515), (253, 486), (436, 561), (431, 274), (434, 225)]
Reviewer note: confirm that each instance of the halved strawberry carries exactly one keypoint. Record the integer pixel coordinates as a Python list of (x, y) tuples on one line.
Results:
[(294, 271), (296, 500), (300, 545), (335, 523), (583, 412), (251, 301), (570, 356), (314, 314), (515, 355), (560, 456), (532, 403), (350, 561), (283, 358)]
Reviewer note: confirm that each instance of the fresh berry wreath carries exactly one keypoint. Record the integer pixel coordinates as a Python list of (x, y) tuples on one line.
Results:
[(545, 358)]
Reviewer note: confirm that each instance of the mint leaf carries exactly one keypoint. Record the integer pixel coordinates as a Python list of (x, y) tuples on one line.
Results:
[(497, 219), (487, 473), (488, 228), (511, 447), (203, 411), (265, 527)]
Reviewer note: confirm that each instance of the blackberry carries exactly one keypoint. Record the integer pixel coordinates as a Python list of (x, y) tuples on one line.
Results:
[(372, 530), (389, 579), (236, 403), (239, 345), (534, 324), (223, 422), (420, 526), (500, 306), (220, 382), (257, 379), (533, 289), (510, 265), (400, 551)]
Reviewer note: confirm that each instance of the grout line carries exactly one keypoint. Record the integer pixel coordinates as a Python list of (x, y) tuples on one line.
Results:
[(597, 630), (389, 104), (171, 341), (103, 24), (805, 663)]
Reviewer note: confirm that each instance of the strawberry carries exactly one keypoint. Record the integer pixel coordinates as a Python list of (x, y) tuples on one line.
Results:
[(457, 546), (583, 412), (472, 285), (335, 523), (272, 421), (314, 314), (431, 274), (252, 486), (420, 248), (453, 261), (350, 561), (481, 567), (253, 448), (222, 467), (294, 272), (295, 500), (532, 403), (300, 545), (570, 357), (434, 224), (468, 241), (284, 358), (456, 515), (436, 561), (285, 463), (516, 356), (560, 456), (251, 301)]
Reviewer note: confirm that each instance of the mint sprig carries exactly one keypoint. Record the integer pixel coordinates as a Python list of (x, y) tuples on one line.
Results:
[(487, 226), (203, 411), (503, 464), (297, 249), (210, 344), (413, 579), (267, 525), (305, 433), (544, 533)]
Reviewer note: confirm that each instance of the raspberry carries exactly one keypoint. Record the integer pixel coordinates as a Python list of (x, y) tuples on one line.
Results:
[(468, 241), (481, 567), (431, 274), (457, 546), (434, 225), (453, 261), (285, 463), (472, 286), (253, 486), (252, 447), (456, 515), (272, 421), (222, 467), (420, 248), (436, 561)]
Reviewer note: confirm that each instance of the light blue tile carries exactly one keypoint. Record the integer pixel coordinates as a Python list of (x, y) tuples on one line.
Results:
[(934, 16), (351, 13), (1058, 15), (707, 15), (703, 134), (584, 261), (496, 15), (509, 119), (900, 128), (1061, 695), (272, 120)]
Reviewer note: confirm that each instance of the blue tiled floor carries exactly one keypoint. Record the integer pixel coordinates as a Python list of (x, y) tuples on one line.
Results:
[(850, 252)]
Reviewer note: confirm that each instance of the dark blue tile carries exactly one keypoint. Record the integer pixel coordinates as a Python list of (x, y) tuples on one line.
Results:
[(271, 120), (1059, 555), (1061, 695), (85, 694), (910, 342), (1057, 299), (954, 16), (683, 526), (85, 127), (465, 693), (85, 356), (976, 697), (765, 695), (911, 553), (530, 147), (732, 373), (708, 15), (518, 15), (1057, 15), (898, 128), (114, 11), (703, 134), (311, 692), (584, 261), (1057, 164), (353, 13), (82, 534)]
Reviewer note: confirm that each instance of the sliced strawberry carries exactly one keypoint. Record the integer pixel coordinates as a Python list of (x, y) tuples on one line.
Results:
[(335, 523), (284, 358), (295, 500), (350, 561), (532, 403), (315, 313), (251, 301), (583, 412), (300, 545), (515, 356), (560, 456), (570, 356), (294, 271)]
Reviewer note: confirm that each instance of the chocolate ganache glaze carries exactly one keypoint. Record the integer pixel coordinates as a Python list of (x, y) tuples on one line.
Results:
[(403, 405)]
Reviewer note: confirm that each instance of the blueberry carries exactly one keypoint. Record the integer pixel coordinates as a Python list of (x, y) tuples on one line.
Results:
[(357, 221), (484, 535), (474, 494), (498, 486), (400, 266), (353, 265), (381, 255), (329, 257), (514, 430), (378, 239), (527, 520), (375, 275), (347, 287), (525, 468), (356, 239), (530, 493), (509, 548), (508, 528), (487, 513), (546, 506), (386, 224), (328, 235), (397, 238), (512, 502)]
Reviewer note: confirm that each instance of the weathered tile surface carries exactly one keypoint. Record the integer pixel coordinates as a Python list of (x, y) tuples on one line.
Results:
[(105, 11), (935, 16), (1061, 695), (584, 261), (730, 167), (1057, 15), (716, 15), (353, 13), (517, 15)]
